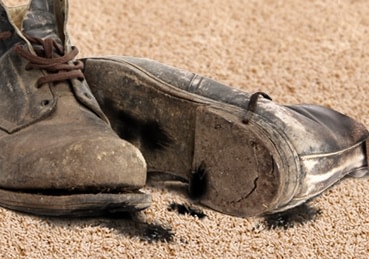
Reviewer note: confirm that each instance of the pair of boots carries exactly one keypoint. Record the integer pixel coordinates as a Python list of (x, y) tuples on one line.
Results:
[(63, 121)]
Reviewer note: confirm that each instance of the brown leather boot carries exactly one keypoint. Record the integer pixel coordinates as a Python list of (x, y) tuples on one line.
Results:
[(241, 153), (59, 155)]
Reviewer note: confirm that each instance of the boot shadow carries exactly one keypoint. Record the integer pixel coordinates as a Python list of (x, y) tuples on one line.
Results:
[(127, 224)]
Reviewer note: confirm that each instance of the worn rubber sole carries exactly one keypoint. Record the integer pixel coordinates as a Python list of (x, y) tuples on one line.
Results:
[(74, 205), (232, 166)]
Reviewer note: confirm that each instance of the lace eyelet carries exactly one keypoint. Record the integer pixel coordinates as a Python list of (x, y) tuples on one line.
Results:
[(28, 67), (45, 102), (87, 95)]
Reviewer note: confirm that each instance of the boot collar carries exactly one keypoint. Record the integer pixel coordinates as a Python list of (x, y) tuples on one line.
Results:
[(17, 14)]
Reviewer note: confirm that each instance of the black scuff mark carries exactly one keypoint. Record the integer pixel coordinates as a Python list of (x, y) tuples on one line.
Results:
[(149, 133), (198, 183), (154, 137)]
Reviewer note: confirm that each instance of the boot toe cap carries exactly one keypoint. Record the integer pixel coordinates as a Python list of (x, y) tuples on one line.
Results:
[(100, 163)]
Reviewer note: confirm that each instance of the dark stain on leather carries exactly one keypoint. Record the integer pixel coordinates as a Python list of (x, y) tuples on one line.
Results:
[(198, 183), (149, 133)]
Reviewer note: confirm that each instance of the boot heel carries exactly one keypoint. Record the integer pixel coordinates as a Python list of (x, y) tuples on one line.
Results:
[(238, 172)]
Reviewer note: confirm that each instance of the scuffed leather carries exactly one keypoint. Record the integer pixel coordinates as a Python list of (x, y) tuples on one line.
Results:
[(36, 24), (50, 136), (30, 105), (21, 102), (330, 129), (324, 144)]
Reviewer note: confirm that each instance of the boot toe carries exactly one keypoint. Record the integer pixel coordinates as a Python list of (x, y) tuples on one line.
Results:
[(96, 164), (88, 177)]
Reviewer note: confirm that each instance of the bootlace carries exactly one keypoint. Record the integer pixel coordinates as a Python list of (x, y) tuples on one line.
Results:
[(253, 104), (5, 35), (50, 57)]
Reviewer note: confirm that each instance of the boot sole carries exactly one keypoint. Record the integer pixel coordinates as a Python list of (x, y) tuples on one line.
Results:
[(75, 205), (231, 166)]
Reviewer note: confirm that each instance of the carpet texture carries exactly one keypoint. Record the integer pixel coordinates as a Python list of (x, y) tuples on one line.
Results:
[(296, 51)]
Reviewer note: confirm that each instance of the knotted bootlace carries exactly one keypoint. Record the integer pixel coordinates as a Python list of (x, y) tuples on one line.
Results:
[(50, 56)]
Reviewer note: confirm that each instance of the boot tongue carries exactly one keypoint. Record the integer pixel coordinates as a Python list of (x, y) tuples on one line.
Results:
[(40, 21), (9, 41)]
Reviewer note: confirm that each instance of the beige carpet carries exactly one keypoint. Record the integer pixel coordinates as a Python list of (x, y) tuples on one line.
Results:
[(296, 51)]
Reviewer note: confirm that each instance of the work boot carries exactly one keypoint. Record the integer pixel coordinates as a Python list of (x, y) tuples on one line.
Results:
[(242, 154), (59, 155)]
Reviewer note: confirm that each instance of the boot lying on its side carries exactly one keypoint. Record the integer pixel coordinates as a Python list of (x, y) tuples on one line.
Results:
[(241, 153), (58, 153)]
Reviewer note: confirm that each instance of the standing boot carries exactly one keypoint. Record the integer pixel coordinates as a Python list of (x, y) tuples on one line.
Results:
[(59, 155), (241, 153)]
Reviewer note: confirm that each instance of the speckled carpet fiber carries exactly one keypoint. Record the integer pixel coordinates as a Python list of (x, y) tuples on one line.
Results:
[(296, 51)]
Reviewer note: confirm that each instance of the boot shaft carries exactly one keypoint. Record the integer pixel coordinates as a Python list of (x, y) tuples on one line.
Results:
[(47, 19), (20, 103), (33, 39), (39, 18)]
